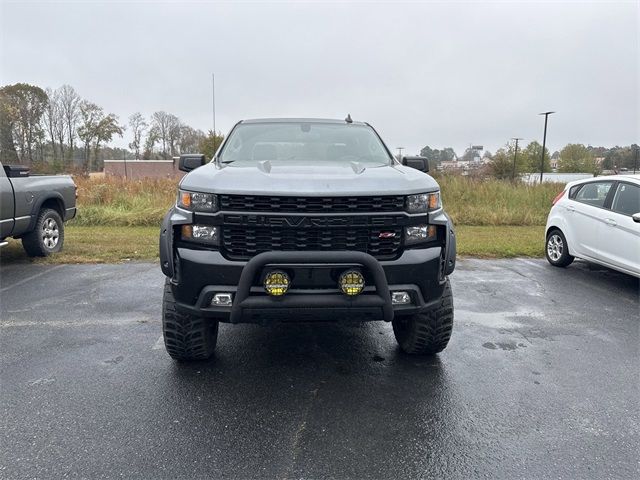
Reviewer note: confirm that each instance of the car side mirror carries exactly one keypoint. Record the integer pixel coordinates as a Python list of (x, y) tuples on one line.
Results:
[(191, 161), (417, 162), (636, 217)]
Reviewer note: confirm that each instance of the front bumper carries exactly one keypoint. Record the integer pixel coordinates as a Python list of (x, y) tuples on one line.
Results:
[(196, 275)]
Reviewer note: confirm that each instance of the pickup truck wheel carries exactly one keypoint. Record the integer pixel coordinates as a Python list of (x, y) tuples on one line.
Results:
[(186, 337), (557, 249), (48, 235), (428, 332)]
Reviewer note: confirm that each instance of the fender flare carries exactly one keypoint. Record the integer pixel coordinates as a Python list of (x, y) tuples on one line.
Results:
[(37, 206), (451, 248), (173, 217)]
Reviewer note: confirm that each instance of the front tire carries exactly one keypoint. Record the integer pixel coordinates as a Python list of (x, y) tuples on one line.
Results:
[(427, 332), (48, 235), (186, 337), (557, 250)]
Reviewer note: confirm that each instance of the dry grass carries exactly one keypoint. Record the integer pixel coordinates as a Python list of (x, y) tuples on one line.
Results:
[(118, 202), (94, 245), (118, 220), (123, 203), (496, 202)]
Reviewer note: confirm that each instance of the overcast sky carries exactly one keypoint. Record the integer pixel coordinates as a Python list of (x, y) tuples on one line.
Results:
[(423, 73)]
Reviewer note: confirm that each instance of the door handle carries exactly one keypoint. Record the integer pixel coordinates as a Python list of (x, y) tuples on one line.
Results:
[(611, 222), (571, 209)]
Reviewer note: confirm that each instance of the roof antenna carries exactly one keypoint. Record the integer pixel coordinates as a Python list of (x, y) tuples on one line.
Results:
[(348, 119)]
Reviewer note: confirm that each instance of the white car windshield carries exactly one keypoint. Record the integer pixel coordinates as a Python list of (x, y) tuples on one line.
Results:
[(304, 142)]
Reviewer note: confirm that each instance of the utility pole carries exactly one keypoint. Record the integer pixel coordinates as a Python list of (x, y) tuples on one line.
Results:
[(544, 141), (515, 155), (124, 159), (400, 154)]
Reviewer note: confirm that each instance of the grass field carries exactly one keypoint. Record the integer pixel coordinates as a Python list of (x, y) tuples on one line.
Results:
[(117, 244), (116, 202), (119, 220)]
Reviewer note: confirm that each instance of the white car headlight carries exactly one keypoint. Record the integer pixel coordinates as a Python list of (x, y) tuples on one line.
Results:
[(423, 202)]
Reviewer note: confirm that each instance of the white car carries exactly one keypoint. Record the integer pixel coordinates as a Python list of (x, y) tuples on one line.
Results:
[(597, 220)]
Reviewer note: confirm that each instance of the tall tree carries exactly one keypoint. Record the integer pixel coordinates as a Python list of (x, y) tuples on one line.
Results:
[(90, 117), (107, 127), (532, 156), (49, 121), (173, 133), (576, 158), (150, 143), (24, 106), (70, 104), (209, 144), (165, 124), (190, 139), (138, 127)]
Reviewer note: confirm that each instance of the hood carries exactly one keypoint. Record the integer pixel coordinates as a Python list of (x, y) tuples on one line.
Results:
[(308, 180)]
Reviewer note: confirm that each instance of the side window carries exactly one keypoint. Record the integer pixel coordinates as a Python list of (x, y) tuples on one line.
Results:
[(594, 193), (626, 200)]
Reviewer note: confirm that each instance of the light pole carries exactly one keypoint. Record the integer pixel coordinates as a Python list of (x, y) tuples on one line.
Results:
[(400, 153), (544, 141), (515, 155)]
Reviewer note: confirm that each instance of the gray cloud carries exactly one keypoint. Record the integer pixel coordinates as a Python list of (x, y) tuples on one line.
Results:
[(443, 74)]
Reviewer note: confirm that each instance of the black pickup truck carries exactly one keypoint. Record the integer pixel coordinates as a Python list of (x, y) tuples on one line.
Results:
[(34, 209), (306, 220)]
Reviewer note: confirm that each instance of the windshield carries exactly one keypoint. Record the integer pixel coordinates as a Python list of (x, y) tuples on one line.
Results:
[(304, 142)]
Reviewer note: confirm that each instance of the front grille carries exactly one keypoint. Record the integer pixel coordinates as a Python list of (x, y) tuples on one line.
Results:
[(253, 203), (242, 243)]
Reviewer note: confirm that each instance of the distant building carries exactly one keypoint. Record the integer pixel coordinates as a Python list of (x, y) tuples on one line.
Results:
[(136, 169), (547, 177)]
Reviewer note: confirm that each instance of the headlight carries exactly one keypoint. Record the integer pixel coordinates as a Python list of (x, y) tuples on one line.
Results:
[(197, 202), (420, 233), (423, 202), (201, 234)]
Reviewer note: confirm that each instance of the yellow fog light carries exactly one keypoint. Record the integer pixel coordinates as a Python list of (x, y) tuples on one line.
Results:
[(351, 282), (276, 283)]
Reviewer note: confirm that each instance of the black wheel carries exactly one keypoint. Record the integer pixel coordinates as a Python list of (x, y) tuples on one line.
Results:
[(428, 332), (48, 235), (557, 249), (186, 337)]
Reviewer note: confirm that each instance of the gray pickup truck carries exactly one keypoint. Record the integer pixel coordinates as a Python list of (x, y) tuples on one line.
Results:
[(34, 209), (303, 220)]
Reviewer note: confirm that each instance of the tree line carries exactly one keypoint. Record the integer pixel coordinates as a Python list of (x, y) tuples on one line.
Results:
[(573, 158), (58, 130)]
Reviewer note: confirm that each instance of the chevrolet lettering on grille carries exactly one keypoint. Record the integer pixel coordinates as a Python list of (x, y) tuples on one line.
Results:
[(310, 222)]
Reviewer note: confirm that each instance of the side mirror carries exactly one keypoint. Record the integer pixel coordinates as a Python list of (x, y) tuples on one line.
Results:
[(636, 217), (419, 163), (191, 161)]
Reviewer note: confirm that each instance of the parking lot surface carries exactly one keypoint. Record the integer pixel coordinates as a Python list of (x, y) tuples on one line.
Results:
[(540, 380)]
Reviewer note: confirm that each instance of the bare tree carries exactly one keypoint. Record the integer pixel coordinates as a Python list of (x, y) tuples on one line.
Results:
[(167, 127), (138, 127), (175, 130), (70, 104), (90, 116), (49, 120)]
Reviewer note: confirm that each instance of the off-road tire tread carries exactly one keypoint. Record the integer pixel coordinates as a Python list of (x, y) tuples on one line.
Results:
[(428, 332), (32, 241), (186, 337)]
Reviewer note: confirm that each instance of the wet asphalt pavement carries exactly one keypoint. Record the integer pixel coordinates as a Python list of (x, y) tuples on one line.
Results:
[(540, 380)]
